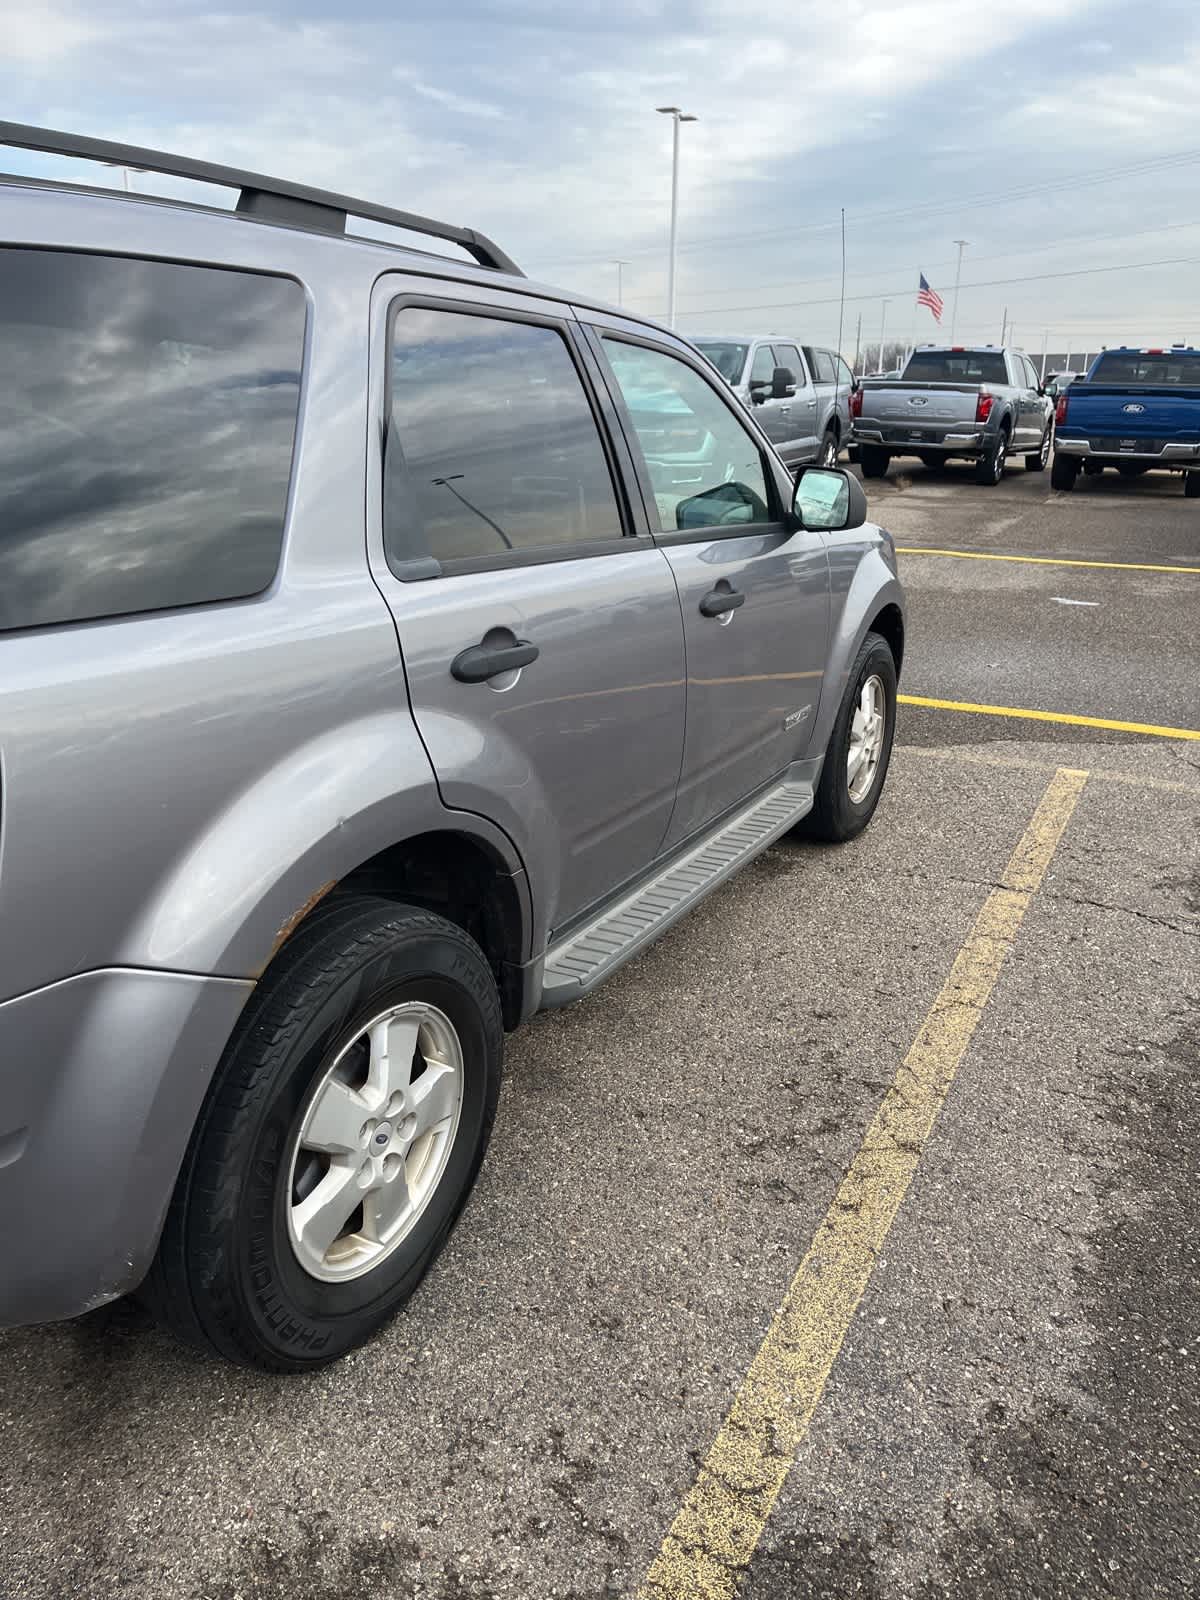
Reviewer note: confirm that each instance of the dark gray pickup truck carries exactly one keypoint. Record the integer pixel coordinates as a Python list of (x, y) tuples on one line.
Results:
[(982, 403)]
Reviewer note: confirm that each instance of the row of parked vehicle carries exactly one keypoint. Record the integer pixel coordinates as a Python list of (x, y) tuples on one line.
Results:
[(1133, 410)]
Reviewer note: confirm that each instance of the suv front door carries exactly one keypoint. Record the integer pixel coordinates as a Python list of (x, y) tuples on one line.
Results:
[(539, 624), (754, 591)]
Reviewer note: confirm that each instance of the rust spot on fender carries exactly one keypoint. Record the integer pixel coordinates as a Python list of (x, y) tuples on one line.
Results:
[(290, 924)]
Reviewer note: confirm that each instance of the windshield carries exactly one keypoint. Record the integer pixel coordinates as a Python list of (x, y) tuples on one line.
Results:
[(1172, 367), (956, 366), (728, 358)]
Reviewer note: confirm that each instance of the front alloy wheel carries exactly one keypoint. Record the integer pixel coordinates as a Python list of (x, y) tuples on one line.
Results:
[(867, 728), (374, 1141), (859, 748)]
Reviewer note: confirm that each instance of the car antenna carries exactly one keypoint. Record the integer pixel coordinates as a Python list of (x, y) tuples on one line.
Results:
[(837, 366)]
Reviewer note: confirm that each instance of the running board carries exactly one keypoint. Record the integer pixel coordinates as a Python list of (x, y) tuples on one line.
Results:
[(586, 957)]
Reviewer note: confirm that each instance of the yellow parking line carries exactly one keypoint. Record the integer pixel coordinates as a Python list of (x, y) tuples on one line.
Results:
[(1049, 716), (710, 1543), (1039, 561)]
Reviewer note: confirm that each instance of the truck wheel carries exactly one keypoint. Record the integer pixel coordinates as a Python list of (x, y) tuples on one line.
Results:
[(1064, 471), (1191, 485), (1037, 462), (338, 1143), (989, 469), (829, 449), (859, 748), (874, 462)]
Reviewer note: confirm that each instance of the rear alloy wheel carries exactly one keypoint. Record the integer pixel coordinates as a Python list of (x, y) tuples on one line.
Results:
[(859, 749), (339, 1141), (829, 450), (1064, 471), (989, 469), (874, 462), (1191, 485), (1037, 462)]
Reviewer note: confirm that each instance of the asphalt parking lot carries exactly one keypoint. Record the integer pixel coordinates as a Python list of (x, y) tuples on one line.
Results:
[(1011, 1409)]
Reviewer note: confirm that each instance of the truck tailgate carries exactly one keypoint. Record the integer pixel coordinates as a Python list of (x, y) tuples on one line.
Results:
[(919, 403), (1102, 412)]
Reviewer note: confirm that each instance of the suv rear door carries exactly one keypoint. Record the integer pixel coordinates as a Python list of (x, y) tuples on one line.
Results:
[(505, 527), (754, 593)]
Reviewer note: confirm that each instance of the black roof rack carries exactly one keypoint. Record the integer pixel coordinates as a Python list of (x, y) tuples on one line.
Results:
[(271, 199)]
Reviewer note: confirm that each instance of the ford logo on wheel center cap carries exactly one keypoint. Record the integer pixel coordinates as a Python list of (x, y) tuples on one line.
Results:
[(1134, 410)]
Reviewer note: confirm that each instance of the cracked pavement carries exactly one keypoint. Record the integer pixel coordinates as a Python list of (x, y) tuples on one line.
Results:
[(1014, 1412)]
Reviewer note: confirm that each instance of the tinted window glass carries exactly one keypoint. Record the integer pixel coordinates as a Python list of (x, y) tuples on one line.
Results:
[(705, 467), (1179, 368), (956, 366), (492, 445), (729, 359), (826, 371), (763, 370), (789, 357), (147, 417)]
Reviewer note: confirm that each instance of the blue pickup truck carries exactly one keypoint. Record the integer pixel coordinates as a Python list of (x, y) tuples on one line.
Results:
[(1135, 409)]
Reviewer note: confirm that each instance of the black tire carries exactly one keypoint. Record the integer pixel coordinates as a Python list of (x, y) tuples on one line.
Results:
[(1132, 469), (227, 1278), (1037, 461), (1064, 471), (874, 462), (835, 816), (989, 469), (1191, 485), (829, 449)]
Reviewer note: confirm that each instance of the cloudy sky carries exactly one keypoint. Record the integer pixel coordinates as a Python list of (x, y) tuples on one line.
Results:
[(1061, 138)]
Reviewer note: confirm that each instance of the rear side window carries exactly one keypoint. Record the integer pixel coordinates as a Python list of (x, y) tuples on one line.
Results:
[(147, 419), (826, 371), (491, 444)]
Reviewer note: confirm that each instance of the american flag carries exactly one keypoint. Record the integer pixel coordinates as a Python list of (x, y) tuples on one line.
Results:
[(929, 297)]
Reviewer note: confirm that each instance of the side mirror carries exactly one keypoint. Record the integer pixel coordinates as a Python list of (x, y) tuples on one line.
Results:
[(759, 389), (827, 498), (783, 383), (855, 386)]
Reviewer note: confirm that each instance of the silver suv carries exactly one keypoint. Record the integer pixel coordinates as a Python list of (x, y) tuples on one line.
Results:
[(391, 647)]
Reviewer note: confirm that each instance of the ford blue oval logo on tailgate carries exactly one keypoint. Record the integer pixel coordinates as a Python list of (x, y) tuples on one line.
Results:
[(917, 400), (1134, 411)]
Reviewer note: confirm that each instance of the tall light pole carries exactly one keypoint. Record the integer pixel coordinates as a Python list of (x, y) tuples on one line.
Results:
[(619, 265), (882, 326), (677, 116), (962, 245)]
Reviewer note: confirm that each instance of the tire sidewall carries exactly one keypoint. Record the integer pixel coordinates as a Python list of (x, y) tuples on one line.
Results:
[(297, 1319), (852, 816)]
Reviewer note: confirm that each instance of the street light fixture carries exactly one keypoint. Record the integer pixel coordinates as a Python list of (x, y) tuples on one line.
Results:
[(677, 116)]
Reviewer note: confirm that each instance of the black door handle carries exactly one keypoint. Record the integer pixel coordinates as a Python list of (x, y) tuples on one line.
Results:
[(718, 601), (484, 661)]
